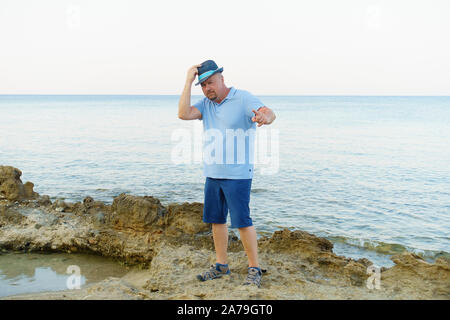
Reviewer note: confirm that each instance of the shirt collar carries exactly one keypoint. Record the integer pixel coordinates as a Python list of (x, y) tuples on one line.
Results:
[(230, 94)]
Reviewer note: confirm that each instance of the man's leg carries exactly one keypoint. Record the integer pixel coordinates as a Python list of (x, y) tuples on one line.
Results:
[(215, 211), (220, 235), (248, 238)]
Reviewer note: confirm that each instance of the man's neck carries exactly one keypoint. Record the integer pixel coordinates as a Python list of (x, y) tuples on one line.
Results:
[(224, 96)]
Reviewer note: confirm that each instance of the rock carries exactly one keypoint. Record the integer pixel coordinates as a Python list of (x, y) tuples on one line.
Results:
[(136, 212), (28, 190), (185, 218), (97, 205), (87, 201), (11, 216), (44, 200), (59, 205), (100, 217), (297, 240), (356, 273), (8, 172), (365, 262), (12, 188), (412, 273), (317, 252), (444, 262)]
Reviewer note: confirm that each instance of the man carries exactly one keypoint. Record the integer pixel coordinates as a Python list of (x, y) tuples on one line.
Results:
[(227, 186)]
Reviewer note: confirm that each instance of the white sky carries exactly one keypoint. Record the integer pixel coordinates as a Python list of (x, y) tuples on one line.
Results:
[(316, 47)]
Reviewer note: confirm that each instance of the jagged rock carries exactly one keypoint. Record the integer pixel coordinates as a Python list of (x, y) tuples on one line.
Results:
[(44, 200), (413, 274), (12, 188), (365, 262), (88, 201), (28, 190), (59, 205), (297, 240), (316, 251), (444, 262), (90, 206), (100, 218), (135, 212), (10, 216), (411, 262), (185, 218)]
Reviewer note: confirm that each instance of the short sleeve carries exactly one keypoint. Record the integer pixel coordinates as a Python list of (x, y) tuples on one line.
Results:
[(251, 103), (200, 105)]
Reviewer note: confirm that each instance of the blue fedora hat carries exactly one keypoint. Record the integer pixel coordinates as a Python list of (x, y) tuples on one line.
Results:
[(208, 68)]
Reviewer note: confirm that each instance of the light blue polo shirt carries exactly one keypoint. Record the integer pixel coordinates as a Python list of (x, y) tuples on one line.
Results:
[(229, 135)]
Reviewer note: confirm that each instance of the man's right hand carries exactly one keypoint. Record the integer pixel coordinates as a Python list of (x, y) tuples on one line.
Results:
[(192, 72)]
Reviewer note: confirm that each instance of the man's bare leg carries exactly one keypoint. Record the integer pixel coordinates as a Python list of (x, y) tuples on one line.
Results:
[(248, 238), (220, 235)]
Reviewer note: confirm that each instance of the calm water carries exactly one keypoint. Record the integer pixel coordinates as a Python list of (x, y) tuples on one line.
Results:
[(370, 173), (22, 273)]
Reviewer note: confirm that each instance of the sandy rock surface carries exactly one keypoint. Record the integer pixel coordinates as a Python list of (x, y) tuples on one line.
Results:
[(171, 245)]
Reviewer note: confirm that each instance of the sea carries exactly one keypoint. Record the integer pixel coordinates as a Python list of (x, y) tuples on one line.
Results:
[(369, 173)]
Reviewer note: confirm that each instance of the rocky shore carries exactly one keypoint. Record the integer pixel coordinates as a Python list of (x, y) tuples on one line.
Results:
[(171, 244)]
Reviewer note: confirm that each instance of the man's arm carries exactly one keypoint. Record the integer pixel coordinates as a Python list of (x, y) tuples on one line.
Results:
[(263, 115), (185, 110)]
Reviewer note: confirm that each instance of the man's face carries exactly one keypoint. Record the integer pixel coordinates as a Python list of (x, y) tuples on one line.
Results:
[(212, 86)]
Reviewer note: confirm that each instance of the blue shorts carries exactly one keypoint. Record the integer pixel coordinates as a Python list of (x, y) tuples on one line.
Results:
[(224, 194)]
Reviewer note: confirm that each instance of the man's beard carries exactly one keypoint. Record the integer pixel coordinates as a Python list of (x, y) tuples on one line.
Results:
[(212, 96)]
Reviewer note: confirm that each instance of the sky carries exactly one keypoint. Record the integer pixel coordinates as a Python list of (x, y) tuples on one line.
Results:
[(316, 47)]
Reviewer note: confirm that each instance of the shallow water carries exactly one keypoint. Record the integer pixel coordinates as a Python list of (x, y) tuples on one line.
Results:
[(22, 273), (368, 172)]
